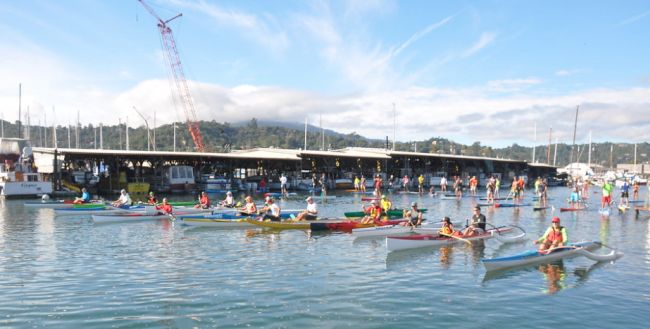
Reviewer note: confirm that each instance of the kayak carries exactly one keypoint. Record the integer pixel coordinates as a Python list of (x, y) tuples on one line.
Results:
[(369, 199), (317, 225), (93, 211), (531, 257), (215, 222), (62, 204), (393, 213), (130, 217), (394, 243), (133, 216), (394, 230), (540, 208)]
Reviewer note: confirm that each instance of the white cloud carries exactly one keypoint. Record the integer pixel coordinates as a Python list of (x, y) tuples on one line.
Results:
[(512, 84), (263, 29), (634, 18), (485, 40)]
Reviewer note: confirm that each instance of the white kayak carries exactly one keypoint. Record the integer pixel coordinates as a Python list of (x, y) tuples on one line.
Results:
[(532, 257), (100, 210), (216, 222), (427, 228), (60, 204), (395, 243), (147, 213)]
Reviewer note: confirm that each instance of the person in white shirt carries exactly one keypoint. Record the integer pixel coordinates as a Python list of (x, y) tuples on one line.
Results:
[(271, 211), (283, 184), (124, 201), (311, 213)]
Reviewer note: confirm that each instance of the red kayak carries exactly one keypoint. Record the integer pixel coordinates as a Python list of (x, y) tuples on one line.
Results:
[(348, 226), (369, 199)]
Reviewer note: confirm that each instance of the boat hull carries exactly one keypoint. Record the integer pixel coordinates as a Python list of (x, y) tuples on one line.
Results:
[(532, 257), (395, 243)]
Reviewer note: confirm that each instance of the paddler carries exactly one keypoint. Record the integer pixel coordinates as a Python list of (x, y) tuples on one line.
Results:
[(385, 204), (165, 207), (85, 197), (554, 237), (606, 199), (151, 198), (311, 213), (447, 228), (478, 223), (373, 213), (204, 201), (229, 201), (414, 216), (271, 211), (124, 201), (249, 208)]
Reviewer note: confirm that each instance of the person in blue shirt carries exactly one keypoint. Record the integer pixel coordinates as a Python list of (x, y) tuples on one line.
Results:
[(625, 194), (85, 197)]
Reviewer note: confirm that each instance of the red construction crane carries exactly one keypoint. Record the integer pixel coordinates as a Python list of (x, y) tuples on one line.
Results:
[(179, 77)]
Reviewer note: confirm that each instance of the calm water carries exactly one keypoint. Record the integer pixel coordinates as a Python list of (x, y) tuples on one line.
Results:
[(71, 273)]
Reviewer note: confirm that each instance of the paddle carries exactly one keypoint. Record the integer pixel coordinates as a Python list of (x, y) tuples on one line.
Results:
[(456, 237)]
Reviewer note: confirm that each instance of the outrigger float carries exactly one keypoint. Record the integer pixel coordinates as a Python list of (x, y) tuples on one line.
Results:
[(532, 257)]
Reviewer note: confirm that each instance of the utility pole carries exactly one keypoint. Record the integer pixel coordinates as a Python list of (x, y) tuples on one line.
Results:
[(555, 152), (76, 132), (119, 130), (305, 148), (101, 136)]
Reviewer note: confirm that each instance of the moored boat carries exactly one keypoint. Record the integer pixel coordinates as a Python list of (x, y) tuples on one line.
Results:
[(215, 222)]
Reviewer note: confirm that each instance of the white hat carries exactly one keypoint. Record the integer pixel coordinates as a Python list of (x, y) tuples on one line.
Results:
[(229, 193), (308, 198)]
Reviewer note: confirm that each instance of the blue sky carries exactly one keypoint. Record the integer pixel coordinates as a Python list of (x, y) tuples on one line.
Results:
[(470, 71)]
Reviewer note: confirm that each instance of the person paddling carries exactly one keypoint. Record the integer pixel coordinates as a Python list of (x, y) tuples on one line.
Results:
[(414, 216), (249, 208), (85, 197), (271, 211), (151, 198), (447, 228), (478, 223), (311, 213), (204, 201), (554, 237), (124, 201), (165, 207), (373, 213)]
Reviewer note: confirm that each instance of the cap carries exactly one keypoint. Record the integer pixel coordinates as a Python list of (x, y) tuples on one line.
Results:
[(414, 204), (555, 220), (308, 198), (229, 193), (268, 198), (373, 202), (383, 196), (123, 191)]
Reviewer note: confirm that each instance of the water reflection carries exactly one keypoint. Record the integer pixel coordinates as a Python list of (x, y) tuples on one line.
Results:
[(555, 276), (445, 256)]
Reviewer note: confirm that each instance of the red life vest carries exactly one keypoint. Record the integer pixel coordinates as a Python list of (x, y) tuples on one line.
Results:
[(555, 235)]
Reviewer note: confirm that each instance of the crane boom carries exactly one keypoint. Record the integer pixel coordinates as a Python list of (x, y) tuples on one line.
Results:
[(180, 82)]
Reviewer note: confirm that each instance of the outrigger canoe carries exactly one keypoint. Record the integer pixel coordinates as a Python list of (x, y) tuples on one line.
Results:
[(318, 225), (220, 223), (393, 213), (99, 210), (395, 243), (395, 230), (141, 216), (61, 204), (532, 257)]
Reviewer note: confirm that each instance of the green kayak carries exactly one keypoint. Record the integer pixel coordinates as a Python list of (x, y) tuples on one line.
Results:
[(393, 213)]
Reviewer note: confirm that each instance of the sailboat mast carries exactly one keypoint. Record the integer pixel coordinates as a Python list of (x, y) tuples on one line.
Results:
[(575, 127), (548, 149), (20, 101)]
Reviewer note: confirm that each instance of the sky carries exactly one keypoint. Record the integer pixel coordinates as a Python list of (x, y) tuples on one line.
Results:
[(494, 71)]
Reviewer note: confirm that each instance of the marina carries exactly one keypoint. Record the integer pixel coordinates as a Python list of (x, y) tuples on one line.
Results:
[(200, 274)]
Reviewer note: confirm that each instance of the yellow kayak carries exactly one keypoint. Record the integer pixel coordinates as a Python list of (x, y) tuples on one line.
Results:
[(285, 225)]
